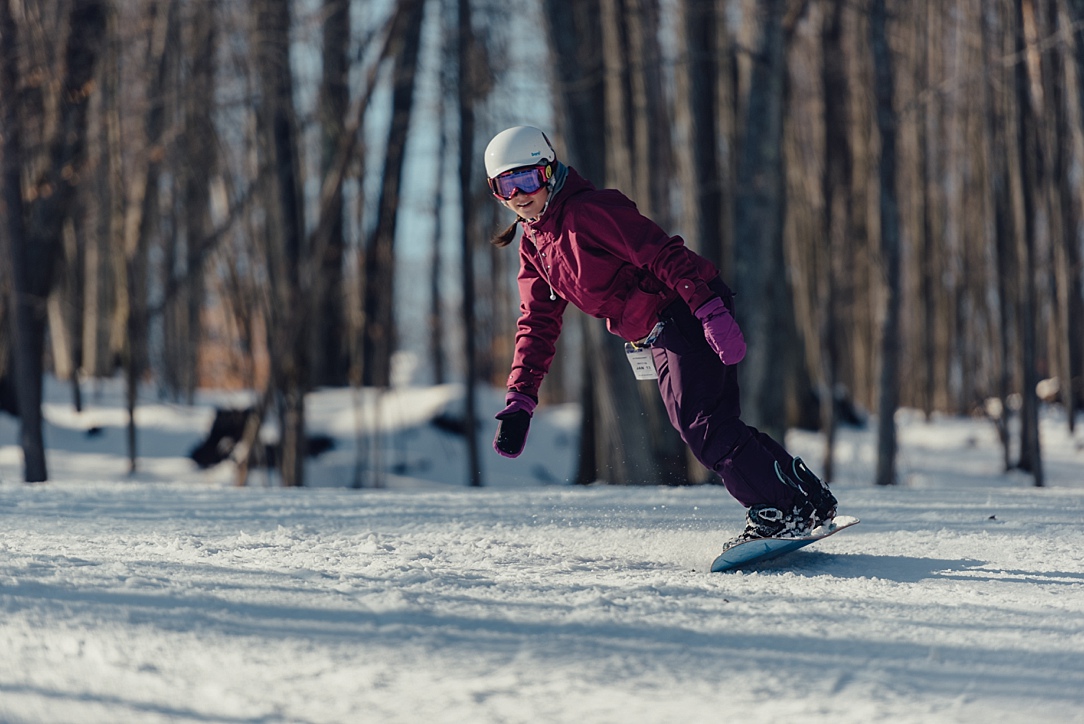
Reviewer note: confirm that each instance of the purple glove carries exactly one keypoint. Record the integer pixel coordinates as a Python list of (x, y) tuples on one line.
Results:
[(515, 419), (722, 332)]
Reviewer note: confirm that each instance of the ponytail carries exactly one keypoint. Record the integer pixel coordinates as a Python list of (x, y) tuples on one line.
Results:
[(504, 238)]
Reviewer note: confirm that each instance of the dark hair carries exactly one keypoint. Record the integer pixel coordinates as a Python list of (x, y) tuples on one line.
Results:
[(504, 238)]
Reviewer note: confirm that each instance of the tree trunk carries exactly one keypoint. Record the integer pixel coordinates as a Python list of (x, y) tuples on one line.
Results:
[(574, 32), (35, 230), (437, 321), (998, 143), (932, 267), (331, 358), (201, 156), (1066, 247), (1074, 255), (702, 182), (141, 215), (284, 232), (103, 273), (1028, 187), (638, 140), (380, 337), (890, 247), (632, 444), (837, 183), (27, 319), (467, 99), (763, 302)]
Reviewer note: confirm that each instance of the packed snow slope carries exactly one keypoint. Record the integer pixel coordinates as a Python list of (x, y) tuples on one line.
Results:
[(170, 596)]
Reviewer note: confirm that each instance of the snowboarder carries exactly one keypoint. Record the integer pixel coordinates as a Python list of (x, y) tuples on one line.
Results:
[(594, 249)]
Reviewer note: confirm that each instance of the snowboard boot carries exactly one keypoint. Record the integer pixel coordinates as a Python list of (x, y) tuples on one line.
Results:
[(768, 521), (813, 488)]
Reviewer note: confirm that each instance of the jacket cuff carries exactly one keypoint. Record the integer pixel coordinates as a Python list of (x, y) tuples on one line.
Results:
[(695, 293), (519, 401), (524, 385), (521, 396)]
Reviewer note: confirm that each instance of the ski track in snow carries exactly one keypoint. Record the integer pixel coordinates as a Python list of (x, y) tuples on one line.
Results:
[(172, 597)]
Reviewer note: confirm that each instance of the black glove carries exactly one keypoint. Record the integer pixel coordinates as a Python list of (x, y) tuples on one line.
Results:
[(514, 421)]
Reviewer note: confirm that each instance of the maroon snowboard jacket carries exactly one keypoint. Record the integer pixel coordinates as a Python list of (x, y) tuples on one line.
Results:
[(593, 248)]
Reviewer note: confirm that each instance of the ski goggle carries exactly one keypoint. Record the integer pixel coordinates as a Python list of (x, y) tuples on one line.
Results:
[(528, 180)]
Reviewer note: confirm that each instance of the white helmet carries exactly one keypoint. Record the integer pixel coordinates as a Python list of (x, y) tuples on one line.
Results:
[(518, 146)]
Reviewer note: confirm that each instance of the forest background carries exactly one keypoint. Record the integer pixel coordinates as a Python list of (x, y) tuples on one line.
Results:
[(281, 196)]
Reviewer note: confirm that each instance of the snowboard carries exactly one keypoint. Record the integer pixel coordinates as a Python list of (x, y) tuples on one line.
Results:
[(764, 549)]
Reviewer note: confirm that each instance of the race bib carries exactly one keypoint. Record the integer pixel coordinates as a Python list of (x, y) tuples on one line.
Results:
[(640, 360)]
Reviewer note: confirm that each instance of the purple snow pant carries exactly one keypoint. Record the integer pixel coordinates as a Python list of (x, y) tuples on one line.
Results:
[(702, 400)]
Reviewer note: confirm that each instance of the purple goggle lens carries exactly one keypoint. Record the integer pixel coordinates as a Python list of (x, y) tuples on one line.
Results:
[(527, 180)]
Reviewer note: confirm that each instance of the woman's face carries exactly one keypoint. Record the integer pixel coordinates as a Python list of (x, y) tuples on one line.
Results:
[(528, 206)]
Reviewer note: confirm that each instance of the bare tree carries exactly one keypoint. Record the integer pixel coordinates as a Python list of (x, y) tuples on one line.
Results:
[(836, 185), (1074, 261), (284, 232), (437, 318), (574, 32), (1065, 209), (331, 358), (1026, 189), (633, 441), (928, 151), (466, 99), (996, 141), (890, 246), (34, 230), (142, 212), (698, 102), (195, 157), (16, 280), (768, 315), (380, 337)]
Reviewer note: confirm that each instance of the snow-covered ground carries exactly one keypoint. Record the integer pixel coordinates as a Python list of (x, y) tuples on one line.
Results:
[(170, 596)]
